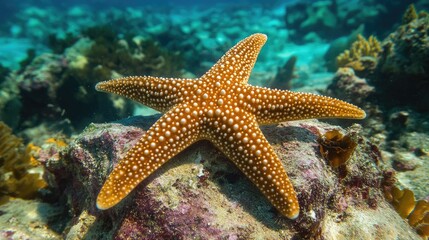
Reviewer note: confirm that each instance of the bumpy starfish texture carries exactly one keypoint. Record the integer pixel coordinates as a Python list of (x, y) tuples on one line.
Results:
[(221, 107)]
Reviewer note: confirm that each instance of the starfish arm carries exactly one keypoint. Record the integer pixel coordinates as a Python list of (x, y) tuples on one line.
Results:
[(158, 93), (272, 106), (167, 137), (242, 141), (235, 66)]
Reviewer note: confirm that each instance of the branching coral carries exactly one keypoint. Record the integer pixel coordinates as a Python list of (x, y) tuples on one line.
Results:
[(362, 55), (417, 213), (20, 174)]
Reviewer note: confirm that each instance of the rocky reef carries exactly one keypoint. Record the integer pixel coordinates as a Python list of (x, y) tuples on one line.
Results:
[(402, 69), (392, 89), (54, 86), (396, 67), (200, 194)]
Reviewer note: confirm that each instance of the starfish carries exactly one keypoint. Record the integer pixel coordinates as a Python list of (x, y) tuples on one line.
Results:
[(220, 107)]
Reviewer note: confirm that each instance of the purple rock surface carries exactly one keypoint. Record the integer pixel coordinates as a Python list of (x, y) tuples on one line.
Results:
[(200, 194)]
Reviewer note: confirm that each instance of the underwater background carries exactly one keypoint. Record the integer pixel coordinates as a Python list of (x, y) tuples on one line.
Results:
[(59, 136)]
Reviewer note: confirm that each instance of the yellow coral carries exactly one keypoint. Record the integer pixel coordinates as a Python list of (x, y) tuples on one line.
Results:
[(362, 55), (405, 204), (9, 148), (20, 173)]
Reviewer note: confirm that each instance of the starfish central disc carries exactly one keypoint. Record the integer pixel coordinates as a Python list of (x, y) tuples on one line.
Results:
[(220, 107)]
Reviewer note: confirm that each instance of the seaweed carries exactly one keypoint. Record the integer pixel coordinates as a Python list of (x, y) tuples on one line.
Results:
[(336, 148)]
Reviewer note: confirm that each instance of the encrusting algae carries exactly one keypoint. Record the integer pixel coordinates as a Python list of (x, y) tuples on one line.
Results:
[(20, 173)]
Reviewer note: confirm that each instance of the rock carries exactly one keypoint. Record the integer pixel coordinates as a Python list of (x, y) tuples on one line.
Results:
[(201, 194), (411, 165), (347, 86), (401, 75), (23, 219)]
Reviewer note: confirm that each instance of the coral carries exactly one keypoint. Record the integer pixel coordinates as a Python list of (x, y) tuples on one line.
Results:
[(120, 57), (49, 86), (38, 83), (417, 213), (19, 172), (405, 54), (336, 148), (199, 194), (362, 56), (128, 56)]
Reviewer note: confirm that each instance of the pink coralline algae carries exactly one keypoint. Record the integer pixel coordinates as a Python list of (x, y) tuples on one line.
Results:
[(199, 194)]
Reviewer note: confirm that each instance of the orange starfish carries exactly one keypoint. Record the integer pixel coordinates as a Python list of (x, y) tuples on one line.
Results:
[(221, 107)]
